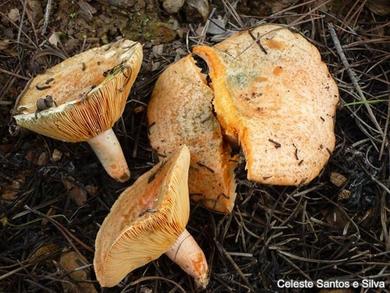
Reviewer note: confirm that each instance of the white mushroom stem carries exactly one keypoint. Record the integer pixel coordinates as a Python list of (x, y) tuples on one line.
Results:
[(107, 148), (187, 254)]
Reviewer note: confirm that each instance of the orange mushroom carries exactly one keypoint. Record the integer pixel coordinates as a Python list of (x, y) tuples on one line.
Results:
[(274, 96), (81, 98), (147, 220), (181, 112)]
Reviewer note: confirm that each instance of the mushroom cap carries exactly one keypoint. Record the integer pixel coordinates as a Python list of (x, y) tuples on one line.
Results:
[(180, 112), (145, 221), (275, 96), (89, 92)]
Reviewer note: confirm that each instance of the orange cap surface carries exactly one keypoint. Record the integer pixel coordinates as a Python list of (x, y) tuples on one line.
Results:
[(276, 98)]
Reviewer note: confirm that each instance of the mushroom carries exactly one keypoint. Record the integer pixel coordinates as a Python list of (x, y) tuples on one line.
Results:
[(180, 112), (147, 220), (275, 97), (81, 98)]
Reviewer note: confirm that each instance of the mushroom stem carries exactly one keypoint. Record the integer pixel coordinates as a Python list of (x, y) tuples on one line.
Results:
[(107, 148), (187, 254)]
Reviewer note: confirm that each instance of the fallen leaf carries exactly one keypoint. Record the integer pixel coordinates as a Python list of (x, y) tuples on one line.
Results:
[(34, 11), (42, 251), (43, 159), (36, 157), (71, 262), (337, 179), (75, 192), (10, 191), (86, 10)]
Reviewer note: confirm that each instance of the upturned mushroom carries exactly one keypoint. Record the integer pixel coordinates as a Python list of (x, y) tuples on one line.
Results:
[(180, 112), (81, 98), (147, 220), (274, 96)]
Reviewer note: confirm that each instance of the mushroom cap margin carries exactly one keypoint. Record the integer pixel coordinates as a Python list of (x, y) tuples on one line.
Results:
[(128, 240), (94, 111)]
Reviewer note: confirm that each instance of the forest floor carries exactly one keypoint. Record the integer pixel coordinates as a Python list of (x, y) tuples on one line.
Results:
[(54, 195)]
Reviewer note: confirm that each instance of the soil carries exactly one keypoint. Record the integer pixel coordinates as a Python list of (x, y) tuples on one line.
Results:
[(54, 195)]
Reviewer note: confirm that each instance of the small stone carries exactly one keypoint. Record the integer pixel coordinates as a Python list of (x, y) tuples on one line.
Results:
[(173, 6), (155, 66), (158, 50), (54, 39), (56, 155), (196, 8)]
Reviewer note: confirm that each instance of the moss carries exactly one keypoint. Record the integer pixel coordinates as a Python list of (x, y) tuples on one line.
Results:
[(149, 28)]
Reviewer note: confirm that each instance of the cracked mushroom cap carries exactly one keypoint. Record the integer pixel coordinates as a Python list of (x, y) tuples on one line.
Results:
[(145, 221), (275, 97), (82, 96), (181, 112)]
